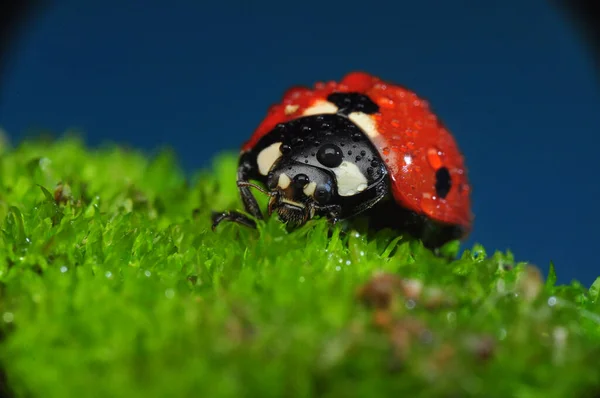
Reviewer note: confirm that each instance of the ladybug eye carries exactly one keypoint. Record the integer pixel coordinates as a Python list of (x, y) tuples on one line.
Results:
[(323, 193), (329, 155)]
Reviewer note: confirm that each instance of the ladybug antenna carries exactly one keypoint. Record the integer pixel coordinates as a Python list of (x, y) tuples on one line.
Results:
[(257, 187)]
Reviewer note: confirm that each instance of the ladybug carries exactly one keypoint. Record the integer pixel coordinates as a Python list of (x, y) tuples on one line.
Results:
[(359, 146)]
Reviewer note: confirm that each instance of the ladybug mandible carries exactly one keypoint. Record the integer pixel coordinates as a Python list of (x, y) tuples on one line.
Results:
[(360, 146)]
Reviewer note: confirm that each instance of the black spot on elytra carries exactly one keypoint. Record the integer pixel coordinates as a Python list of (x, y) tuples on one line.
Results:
[(443, 182), (353, 102)]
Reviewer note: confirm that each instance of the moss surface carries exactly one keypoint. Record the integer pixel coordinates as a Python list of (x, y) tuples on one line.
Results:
[(112, 284)]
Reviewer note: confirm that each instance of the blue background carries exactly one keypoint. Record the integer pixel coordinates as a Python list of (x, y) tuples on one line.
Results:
[(511, 79)]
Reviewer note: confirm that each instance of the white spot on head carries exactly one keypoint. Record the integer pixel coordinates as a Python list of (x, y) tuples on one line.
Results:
[(365, 122), (267, 157), (319, 108), (292, 203), (284, 181), (350, 180), (289, 109), (309, 189)]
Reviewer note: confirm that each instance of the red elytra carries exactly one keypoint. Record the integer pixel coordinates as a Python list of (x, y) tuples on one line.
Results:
[(411, 140)]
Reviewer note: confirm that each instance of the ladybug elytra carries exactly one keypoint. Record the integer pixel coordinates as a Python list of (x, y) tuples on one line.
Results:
[(360, 146)]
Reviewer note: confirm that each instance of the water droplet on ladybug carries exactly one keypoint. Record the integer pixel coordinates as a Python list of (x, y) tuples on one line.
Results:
[(285, 149), (386, 150), (434, 158), (300, 180), (330, 155), (297, 141), (429, 204)]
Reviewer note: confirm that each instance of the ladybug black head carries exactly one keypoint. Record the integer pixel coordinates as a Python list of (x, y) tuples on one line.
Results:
[(299, 191), (318, 165)]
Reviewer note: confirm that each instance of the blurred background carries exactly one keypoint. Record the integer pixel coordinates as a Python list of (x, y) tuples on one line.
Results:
[(512, 80)]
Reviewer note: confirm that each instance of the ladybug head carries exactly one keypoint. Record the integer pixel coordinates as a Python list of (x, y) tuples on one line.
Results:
[(300, 191)]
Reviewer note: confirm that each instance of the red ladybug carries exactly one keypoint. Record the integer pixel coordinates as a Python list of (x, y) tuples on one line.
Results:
[(360, 146)]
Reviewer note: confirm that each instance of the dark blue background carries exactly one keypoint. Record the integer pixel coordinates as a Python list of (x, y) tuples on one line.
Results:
[(511, 79)]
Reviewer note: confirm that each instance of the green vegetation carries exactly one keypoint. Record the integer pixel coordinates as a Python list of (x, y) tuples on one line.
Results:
[(113, 285)]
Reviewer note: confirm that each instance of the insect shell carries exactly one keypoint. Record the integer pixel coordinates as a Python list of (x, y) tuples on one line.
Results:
[(360, 146)]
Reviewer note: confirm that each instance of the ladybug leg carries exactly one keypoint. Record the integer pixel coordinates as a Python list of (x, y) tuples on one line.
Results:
[(233, 216), (332, 212), (245, 170), (244, 173)]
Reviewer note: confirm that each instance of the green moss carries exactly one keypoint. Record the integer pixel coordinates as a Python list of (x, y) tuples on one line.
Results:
[(112, 284)]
